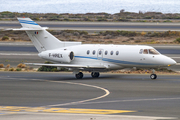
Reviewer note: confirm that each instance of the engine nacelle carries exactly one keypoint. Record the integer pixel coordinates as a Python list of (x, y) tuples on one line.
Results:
[(57, 55)]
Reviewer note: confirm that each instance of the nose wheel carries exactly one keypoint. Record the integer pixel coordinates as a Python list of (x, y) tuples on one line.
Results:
[(153, 76), (79, 75), (95, 74)]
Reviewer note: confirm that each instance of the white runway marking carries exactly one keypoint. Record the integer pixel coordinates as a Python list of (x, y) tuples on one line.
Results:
[(133, 100), (83, 101)]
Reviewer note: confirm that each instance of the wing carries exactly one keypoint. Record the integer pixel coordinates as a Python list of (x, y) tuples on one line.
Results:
[(68, 65)]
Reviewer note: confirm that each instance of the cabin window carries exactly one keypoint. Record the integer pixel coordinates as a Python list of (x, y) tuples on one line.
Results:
[(117, 52), (88, 52), (111, 53), (145, 51), (106, 52), (153, 51), (100, 52), (94, 52)]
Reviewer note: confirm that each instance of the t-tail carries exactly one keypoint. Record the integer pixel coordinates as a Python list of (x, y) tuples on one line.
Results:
[(41, 38)]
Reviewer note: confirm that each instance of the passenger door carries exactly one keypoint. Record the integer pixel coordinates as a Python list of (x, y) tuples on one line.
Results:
[(100, 54)]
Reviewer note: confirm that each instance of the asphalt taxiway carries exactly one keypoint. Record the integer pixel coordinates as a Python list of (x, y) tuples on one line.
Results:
[(121, 96)]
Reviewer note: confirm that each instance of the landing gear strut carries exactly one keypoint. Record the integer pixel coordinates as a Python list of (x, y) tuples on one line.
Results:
[(79, 75), (153, 76), (95, 74)]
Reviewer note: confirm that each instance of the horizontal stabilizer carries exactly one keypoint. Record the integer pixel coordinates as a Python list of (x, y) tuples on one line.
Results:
[(26, 29)]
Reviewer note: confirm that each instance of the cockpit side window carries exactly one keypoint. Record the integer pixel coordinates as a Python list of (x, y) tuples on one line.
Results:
[(145, 51), (141, 51), (153, 51)]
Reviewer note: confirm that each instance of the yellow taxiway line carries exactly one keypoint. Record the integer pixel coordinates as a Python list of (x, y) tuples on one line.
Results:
[(60, 110)]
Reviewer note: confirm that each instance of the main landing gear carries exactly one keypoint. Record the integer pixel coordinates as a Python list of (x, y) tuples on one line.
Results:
[(153, 76), (79, 75), (93, 74)]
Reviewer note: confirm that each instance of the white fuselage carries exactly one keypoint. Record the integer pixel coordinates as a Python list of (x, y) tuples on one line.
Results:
[(110, 56)]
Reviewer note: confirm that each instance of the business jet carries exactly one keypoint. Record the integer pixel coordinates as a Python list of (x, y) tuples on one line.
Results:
[(94, 58)]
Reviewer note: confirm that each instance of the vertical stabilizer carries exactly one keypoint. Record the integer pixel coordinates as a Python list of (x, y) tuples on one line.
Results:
[(41, 38)]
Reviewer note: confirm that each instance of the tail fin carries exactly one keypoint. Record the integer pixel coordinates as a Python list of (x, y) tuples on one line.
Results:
[(41, 39), (28, 23)]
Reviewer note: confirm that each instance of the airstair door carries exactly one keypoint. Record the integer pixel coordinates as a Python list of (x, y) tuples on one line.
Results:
[(100, 54)]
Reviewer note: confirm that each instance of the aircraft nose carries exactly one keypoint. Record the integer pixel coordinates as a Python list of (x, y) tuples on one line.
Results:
[(171, 62), (167, 61)]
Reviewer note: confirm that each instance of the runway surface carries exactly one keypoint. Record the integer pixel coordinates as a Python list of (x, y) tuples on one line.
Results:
[(99, 26), (115, 94)]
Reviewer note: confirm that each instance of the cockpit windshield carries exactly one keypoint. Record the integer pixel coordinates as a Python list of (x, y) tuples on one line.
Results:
[(148, 51), (153, 51)]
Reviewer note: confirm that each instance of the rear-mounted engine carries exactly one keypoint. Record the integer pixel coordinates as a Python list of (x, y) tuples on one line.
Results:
[(65, 56)]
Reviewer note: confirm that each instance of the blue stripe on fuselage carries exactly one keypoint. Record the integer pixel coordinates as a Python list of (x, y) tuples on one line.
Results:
[(115, 61), (95, 58)]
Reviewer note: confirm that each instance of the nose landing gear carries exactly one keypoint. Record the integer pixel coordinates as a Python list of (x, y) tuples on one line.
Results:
[(153, 76)]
